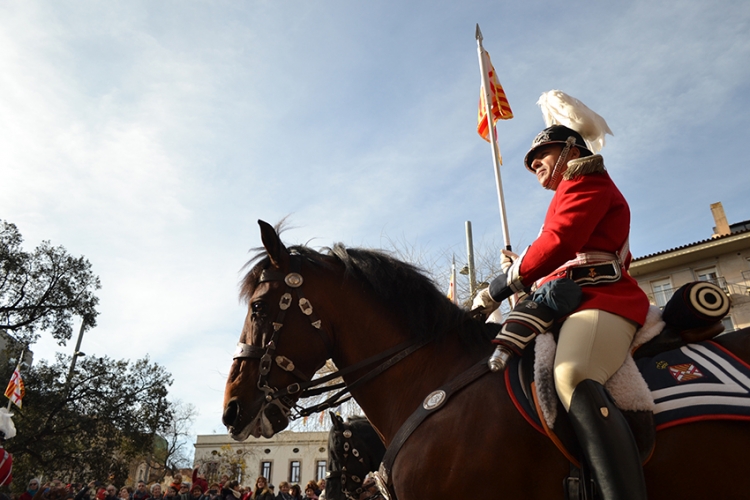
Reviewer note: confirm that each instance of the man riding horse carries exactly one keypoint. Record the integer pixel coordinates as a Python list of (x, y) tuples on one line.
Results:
[(584, 238)]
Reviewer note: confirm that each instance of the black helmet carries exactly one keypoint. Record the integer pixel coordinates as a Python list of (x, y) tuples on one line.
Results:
[(556, 134)]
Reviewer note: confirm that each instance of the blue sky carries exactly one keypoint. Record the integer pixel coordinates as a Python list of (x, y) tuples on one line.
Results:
[(150, 137)]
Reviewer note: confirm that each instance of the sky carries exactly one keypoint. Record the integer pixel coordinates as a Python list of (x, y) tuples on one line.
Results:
[(150, 136)]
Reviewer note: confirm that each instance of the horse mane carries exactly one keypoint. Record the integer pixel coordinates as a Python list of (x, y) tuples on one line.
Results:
[(403, 288)]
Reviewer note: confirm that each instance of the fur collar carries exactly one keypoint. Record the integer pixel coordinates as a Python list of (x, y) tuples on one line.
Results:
[(583, 166)]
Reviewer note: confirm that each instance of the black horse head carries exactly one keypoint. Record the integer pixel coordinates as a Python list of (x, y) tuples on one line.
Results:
[(354, 450)]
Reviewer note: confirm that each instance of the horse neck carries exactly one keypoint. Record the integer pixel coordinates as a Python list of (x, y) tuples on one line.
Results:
[(390, 398)]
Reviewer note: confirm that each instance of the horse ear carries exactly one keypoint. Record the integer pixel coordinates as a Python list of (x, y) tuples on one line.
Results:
[(336, 420), (277, 252)]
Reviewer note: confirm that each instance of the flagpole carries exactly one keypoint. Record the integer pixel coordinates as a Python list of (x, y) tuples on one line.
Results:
[(496, 159)]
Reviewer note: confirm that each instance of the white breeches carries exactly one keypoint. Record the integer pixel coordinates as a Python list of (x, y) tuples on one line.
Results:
[(592, 345)]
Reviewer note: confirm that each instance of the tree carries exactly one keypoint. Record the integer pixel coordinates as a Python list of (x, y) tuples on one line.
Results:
[(44, 289), (173, 452), (110, 415)]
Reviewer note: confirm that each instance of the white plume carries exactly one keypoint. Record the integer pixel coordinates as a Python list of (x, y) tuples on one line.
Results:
[(6, 423), (559, 108)]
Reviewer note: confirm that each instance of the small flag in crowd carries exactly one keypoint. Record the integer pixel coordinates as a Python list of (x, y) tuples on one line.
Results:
[(15, 390), (452, 295), (500, 107)]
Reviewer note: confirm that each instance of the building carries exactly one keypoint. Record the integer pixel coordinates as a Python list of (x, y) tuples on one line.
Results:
[(723, 259), (296, 457)]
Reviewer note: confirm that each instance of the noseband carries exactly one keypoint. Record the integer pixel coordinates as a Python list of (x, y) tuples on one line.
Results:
[(308, 388)]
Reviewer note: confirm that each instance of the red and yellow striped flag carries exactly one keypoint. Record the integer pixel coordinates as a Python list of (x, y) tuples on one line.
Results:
[(500, 107), (15, 390)]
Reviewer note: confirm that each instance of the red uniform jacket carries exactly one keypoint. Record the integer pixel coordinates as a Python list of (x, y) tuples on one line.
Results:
[(587, 213)]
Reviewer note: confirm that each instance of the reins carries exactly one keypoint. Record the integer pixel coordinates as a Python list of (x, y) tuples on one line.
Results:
[(309, 388)]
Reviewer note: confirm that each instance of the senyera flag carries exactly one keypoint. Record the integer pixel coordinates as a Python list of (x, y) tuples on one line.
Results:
[(15, 390), (500, 107)]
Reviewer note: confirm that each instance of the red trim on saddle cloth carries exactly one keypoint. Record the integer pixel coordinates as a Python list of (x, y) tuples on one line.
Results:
[(705, 418), (550, 433), (701, 418), (519, 407)]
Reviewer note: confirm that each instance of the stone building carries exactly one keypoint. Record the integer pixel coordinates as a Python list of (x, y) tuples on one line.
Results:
[(296, 457), (723, 259)]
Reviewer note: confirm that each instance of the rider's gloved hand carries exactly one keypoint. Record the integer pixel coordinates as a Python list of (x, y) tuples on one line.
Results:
[(484, 303), (507, 259)]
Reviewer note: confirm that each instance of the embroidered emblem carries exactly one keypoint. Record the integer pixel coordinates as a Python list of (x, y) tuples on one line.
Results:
[(530, 304), (434, 400), (662, 365), (685, 372), (592, 272)]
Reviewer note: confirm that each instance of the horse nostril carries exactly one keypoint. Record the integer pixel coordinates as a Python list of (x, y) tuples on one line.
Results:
[(230, 413)]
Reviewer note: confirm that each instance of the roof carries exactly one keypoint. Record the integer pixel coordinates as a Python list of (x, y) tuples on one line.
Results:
[(744, 228)]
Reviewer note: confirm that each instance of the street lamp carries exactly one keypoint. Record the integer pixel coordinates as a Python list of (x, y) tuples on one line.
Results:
[(76, 353)]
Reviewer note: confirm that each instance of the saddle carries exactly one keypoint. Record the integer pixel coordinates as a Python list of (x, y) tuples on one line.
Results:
[(521, 384), (673, 372)]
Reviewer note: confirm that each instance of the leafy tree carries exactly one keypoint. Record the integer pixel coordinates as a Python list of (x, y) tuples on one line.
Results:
[(109, 415), (44, 289)]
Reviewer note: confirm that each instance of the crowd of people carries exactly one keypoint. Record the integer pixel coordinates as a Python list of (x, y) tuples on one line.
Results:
[(198, 489)]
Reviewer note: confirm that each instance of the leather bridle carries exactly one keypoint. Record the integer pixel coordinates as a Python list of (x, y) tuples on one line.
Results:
[(285, 399)]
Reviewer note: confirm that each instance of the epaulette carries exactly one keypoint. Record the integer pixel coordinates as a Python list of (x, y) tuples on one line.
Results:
[(583, 166)]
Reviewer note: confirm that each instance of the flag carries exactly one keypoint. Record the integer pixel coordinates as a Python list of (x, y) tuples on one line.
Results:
[(452, 295), (500, 107), (15, 390)]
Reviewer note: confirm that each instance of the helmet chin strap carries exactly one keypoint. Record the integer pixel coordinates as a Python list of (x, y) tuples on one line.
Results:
[(554, 179)]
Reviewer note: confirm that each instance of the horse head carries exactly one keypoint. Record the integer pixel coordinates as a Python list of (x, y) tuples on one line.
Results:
[(281, 344)]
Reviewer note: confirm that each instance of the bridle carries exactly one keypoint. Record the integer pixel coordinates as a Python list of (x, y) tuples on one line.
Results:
[(351, 473), (284, 400)]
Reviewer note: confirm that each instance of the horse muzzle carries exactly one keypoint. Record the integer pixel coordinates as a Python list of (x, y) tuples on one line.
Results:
[(272, 418)]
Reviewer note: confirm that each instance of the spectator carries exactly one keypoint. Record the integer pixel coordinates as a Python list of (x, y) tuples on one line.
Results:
[(125, 493), (171, 493), (231, 491), (184, 492), (31, 489), (212, 493), (310, 493), (261, 490), (195, 492), (156, 493), (177, 481), (111, 492), (199, 480), (141, 492), (295, 492), (224, 480), (85, 492), (283, 491), (312, 484)]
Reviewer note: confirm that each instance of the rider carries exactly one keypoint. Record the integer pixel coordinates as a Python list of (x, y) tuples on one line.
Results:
[(585, 238)]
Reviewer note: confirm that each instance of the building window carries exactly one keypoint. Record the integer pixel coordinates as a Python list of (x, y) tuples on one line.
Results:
[(728, 324), (265, 470), (320, 470), (294, 470), (662, 291), (711, 275)]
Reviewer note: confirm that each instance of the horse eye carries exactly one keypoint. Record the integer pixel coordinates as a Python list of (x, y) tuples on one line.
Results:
[(258, 308)]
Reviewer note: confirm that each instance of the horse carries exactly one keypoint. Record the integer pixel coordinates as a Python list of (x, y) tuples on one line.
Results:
[(354, 450), (353, 304)]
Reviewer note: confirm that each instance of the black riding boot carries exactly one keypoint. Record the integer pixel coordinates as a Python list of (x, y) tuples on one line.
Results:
[(607, 443)]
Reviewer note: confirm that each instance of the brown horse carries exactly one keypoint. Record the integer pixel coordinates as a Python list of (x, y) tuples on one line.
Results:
[(351, 304)]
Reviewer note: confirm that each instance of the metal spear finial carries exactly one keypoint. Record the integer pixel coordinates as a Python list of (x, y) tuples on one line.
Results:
[(479, 34)]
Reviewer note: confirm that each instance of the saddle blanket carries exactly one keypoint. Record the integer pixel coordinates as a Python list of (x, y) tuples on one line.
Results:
[(700, 381), (697, 382)]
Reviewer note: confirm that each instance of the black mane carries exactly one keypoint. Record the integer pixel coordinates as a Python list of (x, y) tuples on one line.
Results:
[(401, 287)]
